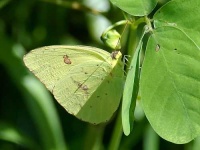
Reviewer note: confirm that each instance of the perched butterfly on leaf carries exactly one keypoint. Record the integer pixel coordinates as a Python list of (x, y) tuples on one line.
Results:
[(86, 81)]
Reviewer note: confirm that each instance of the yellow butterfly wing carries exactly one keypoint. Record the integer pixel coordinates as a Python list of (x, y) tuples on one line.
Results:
[(86, 81)]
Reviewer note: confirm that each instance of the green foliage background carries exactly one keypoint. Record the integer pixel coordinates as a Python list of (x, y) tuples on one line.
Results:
[(29, 117)]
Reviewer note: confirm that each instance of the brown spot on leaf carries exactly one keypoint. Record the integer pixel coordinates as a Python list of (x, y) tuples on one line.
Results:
[(157, 47)]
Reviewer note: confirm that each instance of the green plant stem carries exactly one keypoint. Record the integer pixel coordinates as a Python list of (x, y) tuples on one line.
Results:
[(119, 23), (94, 137), (132, 44), (148, 22), (133, 38), (117, 133), (132, 41)]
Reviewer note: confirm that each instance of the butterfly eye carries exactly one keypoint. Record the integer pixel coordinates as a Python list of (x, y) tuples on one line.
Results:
[(114, 54)]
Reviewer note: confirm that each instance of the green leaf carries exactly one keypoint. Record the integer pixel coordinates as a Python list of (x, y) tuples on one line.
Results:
[(187, 22), (131, 90), (170, 78), (136, 7), (12, 135)]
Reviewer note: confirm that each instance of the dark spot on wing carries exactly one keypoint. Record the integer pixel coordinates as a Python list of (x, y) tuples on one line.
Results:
[(79, 84), (66, 59), (84, 87)]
